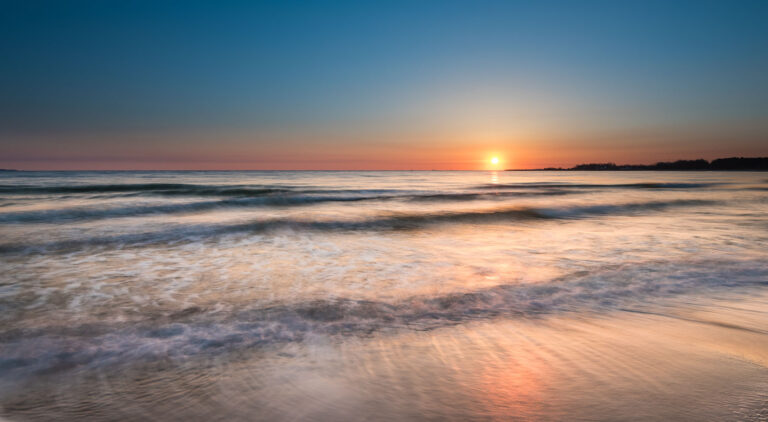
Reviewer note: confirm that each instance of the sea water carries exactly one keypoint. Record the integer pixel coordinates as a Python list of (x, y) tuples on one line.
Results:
[(383, 296)]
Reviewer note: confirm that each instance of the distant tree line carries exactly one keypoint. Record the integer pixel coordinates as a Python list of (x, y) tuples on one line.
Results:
[(734, 163)]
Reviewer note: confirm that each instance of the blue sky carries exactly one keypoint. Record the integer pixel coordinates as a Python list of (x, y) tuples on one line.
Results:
[(164, 84)]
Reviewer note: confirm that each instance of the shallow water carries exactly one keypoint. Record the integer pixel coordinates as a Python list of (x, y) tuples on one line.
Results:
[(383, 296)]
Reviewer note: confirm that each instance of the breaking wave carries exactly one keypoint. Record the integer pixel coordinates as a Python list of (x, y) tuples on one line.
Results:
[(382, 223), (197, 330), (54, 216)]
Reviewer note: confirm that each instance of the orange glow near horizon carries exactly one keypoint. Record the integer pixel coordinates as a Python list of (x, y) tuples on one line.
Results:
[(331, 151)]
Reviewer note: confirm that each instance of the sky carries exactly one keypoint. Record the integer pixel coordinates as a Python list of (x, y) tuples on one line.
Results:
[(379, 85)]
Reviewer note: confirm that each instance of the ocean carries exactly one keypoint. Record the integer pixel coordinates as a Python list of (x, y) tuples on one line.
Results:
[(328, 296)]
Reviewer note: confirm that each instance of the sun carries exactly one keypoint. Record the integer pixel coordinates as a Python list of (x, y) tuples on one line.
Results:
[(494, 160)]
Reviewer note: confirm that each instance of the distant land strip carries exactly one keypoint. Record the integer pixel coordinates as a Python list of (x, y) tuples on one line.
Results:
[(720, 164)]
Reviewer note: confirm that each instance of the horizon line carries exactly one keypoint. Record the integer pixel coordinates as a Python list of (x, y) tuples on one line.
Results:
[(573, 168)]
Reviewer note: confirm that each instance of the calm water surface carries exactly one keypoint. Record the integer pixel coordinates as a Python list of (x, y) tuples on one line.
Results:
[(383, 296)]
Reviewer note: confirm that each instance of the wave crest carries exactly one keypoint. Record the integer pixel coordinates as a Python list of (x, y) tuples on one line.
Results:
[(382, 223)]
